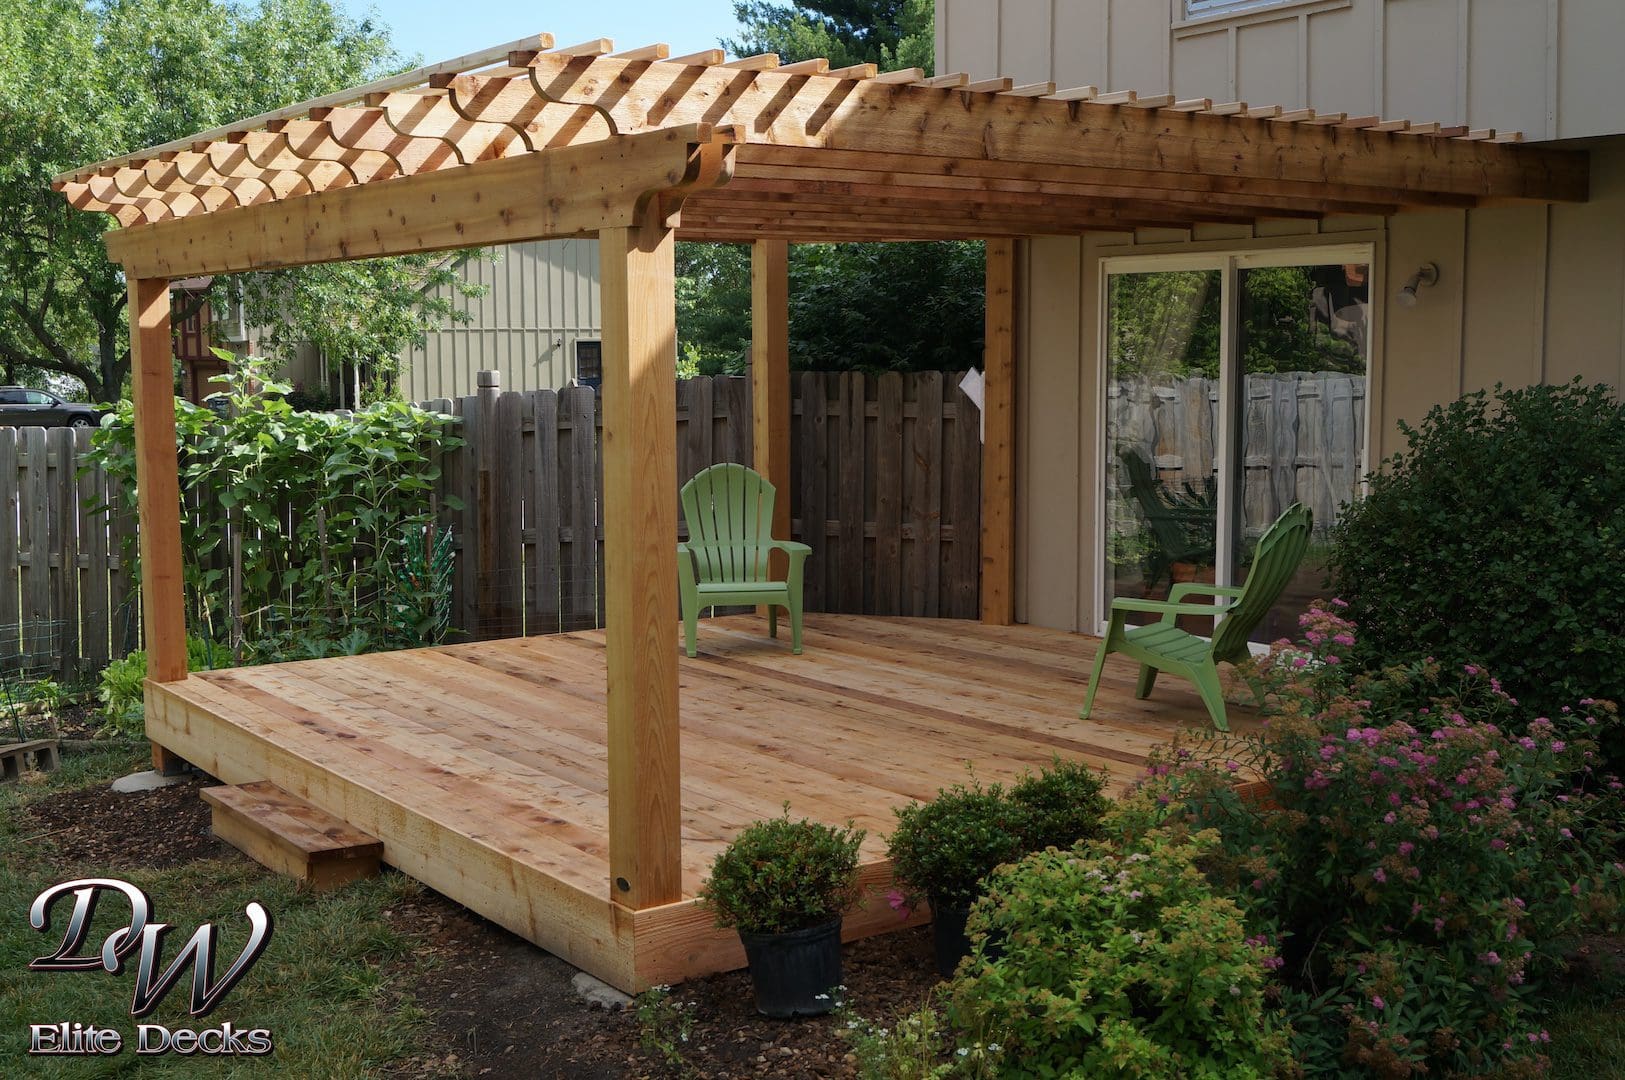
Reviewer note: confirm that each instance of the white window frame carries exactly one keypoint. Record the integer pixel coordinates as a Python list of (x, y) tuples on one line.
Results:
[(1227, 438)]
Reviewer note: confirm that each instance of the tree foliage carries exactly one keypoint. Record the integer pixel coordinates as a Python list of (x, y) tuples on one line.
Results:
[(84, 80), (870, 307), (891, 33), (1166, 323)]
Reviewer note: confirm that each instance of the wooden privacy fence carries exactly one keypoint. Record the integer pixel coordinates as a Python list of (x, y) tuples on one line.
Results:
[(1303, 439), (885, 487), (65, 598)]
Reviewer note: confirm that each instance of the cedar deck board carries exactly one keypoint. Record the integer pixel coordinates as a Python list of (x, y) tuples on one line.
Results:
[(482, 767)]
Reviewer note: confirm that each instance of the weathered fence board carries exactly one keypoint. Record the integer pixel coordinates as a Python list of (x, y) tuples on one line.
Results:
[(1302, 439)]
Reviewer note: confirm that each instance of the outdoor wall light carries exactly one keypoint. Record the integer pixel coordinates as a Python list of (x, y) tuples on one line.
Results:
[(1428, 274)]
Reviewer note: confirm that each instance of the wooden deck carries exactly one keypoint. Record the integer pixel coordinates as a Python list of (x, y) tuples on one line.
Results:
[(482, 767)]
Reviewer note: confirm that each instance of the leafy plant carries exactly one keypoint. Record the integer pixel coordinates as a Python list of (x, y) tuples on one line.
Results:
[(1496, 538), (121, 688), (779, 875), (1117, 962), (943, 848), (664, 1027), (334, 513), (917, 1046), (1426, 849)]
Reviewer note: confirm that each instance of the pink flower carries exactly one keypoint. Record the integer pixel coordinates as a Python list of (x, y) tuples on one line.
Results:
[(1406, 847), (899, 903), (1330, 659), (1498, 844), (1378, 1003), (1379, 875), (1565, 834), (1491, 958)]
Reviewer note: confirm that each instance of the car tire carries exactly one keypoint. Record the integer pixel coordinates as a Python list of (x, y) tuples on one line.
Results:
[(80, 421)]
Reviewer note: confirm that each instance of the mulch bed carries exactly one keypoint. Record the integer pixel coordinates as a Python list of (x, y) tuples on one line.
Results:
[(498, 1006), (143, 829)]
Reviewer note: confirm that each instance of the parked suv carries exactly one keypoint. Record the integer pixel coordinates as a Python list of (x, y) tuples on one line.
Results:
[(23, 406)]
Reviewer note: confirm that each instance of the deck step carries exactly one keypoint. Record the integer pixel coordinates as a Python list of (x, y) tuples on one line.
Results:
[(292, 837), (16, 758)]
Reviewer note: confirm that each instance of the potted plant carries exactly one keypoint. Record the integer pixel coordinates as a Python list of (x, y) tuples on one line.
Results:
[(942, 849), (783, 885)]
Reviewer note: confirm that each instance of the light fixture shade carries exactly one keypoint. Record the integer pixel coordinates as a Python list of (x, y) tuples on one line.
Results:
[(1426, 275)]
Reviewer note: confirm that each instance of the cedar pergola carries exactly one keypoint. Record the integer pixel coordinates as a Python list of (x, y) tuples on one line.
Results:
[(640, 149)]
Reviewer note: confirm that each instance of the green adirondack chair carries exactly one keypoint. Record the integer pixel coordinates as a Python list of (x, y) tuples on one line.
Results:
[(729, 510), (1163, 646), (1181, 523)]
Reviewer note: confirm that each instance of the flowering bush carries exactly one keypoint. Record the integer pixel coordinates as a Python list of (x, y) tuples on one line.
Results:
[(1117, 962), (1423, 853)]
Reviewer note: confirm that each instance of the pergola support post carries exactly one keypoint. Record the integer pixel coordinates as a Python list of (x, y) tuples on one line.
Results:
[(637, 275), (158, 494), (999, 437), (770, 376)]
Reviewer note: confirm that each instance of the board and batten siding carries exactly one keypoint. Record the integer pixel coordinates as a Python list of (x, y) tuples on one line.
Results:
[(1525, 294), (1548, 68), (542, 298)]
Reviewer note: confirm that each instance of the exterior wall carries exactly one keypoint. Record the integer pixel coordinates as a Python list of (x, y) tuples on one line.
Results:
[(542, 298), (1526, 294), (1548, 68)]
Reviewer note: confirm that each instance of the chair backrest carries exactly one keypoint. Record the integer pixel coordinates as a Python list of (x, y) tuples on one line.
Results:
[(1280, 550), (729, 510)]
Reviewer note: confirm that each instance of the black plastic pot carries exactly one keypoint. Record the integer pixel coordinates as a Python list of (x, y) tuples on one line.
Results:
[(795, 974), (949, 942)]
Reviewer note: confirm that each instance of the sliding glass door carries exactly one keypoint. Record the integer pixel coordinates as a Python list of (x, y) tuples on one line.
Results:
[(1234, 386)]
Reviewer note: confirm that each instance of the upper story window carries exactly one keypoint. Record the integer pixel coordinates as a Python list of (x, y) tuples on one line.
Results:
[(1197, 9)]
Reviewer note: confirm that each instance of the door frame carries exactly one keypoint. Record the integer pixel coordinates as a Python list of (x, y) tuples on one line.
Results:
[(1229, 262)]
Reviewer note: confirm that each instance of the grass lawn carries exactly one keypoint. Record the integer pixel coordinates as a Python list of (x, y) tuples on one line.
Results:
[(321, 986)]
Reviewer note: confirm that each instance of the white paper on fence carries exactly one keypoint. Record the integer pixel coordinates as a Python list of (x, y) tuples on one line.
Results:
[(972, 386)]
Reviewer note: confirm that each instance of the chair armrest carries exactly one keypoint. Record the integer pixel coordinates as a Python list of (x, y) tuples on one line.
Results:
[(686, 581), (1168, 607), (790, 547), (1197, 588)]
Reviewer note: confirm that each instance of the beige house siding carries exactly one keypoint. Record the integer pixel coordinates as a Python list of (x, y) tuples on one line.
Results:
[(1548, 68), (542, 299), (1526, 294)]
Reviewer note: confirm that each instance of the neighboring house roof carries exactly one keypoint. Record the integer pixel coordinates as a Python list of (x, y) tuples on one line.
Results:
[(750, 149)]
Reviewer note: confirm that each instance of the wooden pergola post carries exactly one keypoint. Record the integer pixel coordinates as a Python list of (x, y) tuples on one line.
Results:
[(999, 437), (637, 280), (770, 376), (158, 493)]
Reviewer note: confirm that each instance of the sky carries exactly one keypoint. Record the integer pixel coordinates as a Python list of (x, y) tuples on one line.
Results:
[(443, 29)]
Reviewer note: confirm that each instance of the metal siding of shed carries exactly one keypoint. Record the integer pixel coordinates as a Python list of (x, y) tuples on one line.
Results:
[(542, 299)]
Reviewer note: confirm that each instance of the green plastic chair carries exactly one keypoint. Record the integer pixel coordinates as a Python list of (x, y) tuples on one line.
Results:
[(729, 510), (1181, 523), (1163, 646)]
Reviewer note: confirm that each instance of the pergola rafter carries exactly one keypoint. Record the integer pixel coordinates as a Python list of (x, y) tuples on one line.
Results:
[(531, 142)]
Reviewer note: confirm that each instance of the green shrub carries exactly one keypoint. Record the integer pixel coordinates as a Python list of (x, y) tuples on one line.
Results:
[(1428, 848), (1117, 962), (1061, 804), (122, 692), (781, 875), (942, 849), (1497, 538)]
